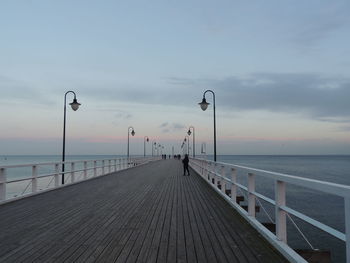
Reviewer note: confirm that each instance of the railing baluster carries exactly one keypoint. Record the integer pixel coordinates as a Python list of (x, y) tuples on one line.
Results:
[(223, 180), (251, 197), (57, 175), (2, 184), (233, 185), (72, 173), (281, 219), (34, 179), (85, 170), (214, 171), (95, 169), (208, 172), (347, 227)]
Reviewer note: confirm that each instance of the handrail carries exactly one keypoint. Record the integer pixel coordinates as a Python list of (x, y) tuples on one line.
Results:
[(99, 167), (219, 181)]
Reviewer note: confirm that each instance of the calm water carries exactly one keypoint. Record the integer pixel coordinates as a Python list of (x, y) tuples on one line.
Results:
[(326, 208)]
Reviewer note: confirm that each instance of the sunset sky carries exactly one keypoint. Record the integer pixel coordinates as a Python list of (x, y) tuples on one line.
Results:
[(280, 71)]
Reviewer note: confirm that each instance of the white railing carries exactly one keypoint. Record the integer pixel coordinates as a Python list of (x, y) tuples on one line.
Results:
[(215, 173), (18, 181)]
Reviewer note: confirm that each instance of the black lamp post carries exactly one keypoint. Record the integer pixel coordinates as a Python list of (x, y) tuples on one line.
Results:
[(154, 144), (204, 105), (132, 133), (144, 145), (194, 143), (188, 144), (159, 147), (75, 106)]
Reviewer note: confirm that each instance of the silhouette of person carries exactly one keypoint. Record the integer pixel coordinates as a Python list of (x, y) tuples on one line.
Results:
[(185, 162)]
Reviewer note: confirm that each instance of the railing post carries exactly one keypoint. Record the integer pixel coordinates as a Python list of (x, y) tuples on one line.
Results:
[(347, 227), (57, 175), (72, 173), (2, 184), (119, 164), (251, 197), (203, 165), (85, 170), (95, 169), (281, 219), (208, 172), (223, 180), (103, 167), (115, 165), (109, 166), (214, 171), (233, 185), (34, 179)]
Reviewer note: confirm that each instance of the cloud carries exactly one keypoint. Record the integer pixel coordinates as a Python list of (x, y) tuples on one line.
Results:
[(171, 127), (344, 128), (12, 89), (320, 24), (311, 94), (122, 115), (314, 95)]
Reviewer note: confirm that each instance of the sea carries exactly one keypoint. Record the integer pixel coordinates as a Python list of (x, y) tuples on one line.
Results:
[(328, 209)]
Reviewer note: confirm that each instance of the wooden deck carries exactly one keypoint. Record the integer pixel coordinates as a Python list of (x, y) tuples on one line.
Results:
[(150, 213)]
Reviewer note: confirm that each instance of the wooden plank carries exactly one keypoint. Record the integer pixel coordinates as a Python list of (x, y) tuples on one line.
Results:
[(149, 250)]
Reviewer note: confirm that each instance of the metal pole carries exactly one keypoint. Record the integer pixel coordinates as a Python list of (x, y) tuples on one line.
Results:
[(193, 140), (64, 138), (144, 145), (128, 145), (212, 92), (64, 132), (188, 145), (130, 127)]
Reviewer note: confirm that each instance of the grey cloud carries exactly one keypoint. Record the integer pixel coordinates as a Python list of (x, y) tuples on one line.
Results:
[(12, 89), (171, 127), (317, 96), (312, 94), (123, 115), (320, 24), (344, 128), (165, 124)]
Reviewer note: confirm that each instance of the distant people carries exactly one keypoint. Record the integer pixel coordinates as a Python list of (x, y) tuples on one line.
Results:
[(185, 162)]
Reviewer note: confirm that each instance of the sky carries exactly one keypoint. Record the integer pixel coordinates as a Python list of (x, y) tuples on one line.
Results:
[(280, 71)]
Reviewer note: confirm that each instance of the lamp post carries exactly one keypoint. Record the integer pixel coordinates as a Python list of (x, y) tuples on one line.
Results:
[(204, 105), (158, 147), (144, 145), (132, 133), (188, 144), (194, 143), (153, 146), (75, 106)]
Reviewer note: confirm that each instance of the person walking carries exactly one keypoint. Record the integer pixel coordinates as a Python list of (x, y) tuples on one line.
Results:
[(185, 162)]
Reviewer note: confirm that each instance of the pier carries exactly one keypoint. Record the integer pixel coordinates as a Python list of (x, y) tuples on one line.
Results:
[(148, 213)]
